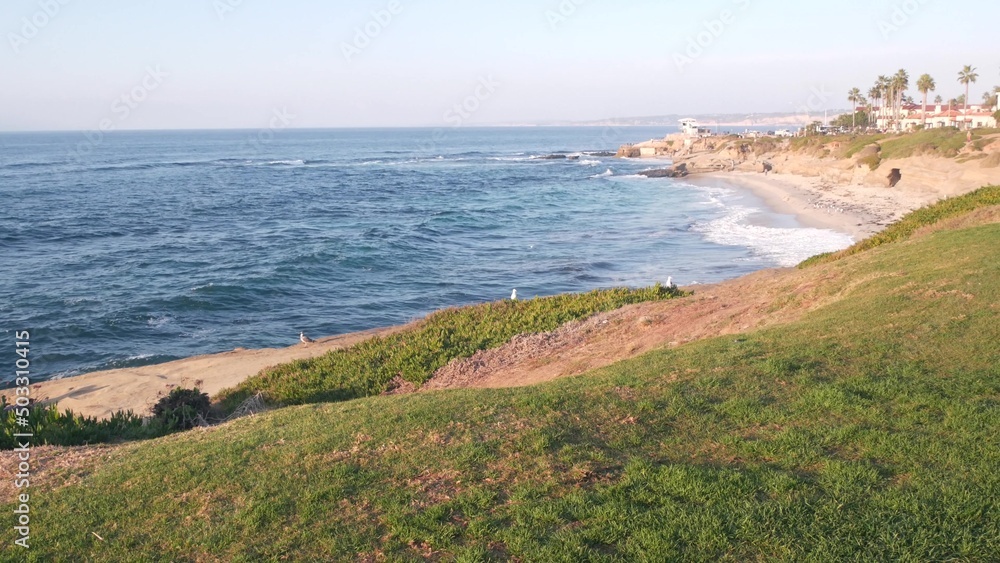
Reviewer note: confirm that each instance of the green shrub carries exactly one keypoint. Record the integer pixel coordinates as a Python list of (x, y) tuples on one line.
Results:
[(859, 143), (50, 427), (182, 408), (177, 411), (945, 142), (873, 161)]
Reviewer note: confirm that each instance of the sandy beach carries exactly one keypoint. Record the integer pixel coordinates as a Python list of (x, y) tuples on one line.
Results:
[(101, 393), (857, 210)]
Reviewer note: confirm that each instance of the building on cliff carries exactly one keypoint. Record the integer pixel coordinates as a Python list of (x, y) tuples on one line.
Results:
[(935, 116)]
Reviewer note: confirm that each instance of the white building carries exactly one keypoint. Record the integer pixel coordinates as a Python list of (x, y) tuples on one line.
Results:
[(935, 116), (690, 128)]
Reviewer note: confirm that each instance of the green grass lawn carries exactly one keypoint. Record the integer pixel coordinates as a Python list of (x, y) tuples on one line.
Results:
[(868, 430)]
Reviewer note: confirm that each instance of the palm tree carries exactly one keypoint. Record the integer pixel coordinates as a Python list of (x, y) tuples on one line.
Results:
[(967, 76), (873, 94), (883, 85), (855, 97), (900, 83), (926, 84), (938, 99)]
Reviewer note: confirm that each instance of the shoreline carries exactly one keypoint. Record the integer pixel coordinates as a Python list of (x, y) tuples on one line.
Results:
[(101, 393), (812, 206)]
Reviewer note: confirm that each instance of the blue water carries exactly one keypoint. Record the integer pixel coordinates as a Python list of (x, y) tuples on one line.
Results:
[(142, 247)]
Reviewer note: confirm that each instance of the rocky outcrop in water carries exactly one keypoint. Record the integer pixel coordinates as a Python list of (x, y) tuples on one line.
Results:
[(678, 171)]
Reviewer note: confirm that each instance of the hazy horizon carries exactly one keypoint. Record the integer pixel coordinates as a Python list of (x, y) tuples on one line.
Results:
[(237, 64)]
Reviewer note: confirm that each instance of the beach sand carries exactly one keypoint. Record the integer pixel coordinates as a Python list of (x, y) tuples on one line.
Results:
[(858, 211), (102, 393)]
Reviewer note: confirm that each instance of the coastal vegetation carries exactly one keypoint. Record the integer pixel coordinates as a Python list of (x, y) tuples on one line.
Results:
[(362, 370), (944, 142), (865, 430), (180, 410), (414, 355)]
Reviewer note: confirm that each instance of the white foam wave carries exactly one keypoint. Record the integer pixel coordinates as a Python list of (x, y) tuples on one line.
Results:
[(138, 357), (157, 322), (606, 174), (785, 247), (65, 374), (286, 162), (590, 162)]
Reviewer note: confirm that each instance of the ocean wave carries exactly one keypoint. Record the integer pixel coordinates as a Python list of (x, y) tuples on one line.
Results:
[(25, 165), (785, 247), (298, 162), (159, 322), (510, 158), (590, 162), (606, 174)]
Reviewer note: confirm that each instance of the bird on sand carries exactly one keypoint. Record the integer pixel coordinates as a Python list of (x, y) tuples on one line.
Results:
[(305, 339), (513, 295)]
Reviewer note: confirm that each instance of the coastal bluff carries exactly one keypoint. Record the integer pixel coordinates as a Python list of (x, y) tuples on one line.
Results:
[(932, 163)]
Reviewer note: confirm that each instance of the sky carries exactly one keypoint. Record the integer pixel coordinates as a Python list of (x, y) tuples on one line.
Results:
[(208, 64)]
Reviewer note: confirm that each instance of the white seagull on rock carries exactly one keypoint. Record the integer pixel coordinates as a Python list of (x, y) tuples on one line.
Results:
[(305, 339), (513, 295)]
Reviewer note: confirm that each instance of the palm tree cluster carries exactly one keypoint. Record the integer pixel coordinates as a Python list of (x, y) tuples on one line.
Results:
[(887, 98), (889, 95)]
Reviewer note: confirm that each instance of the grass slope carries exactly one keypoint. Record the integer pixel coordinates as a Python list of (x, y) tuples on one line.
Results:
[(366, 368), (869, 430), (946, 142)]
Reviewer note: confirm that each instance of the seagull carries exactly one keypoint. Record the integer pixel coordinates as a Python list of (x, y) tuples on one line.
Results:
[(513, 295), (670, 283), (305, 339)]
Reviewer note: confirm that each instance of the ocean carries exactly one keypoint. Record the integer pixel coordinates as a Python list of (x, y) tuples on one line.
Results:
[(134, 248)]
